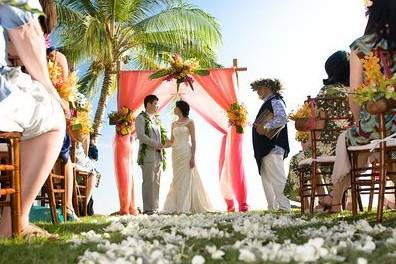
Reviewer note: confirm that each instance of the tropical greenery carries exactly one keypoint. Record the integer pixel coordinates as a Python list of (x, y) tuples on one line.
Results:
[(106, 34)]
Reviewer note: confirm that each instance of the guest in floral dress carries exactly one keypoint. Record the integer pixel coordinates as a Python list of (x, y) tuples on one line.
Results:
[(335, 86), (380, 34)]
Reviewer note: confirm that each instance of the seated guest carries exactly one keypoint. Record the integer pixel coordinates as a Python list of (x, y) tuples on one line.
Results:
[(31, 105), (380, 34)]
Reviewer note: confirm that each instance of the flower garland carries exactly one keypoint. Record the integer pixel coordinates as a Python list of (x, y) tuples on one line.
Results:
[(376, 85), (237, 116), (123, 120), (303, 111), (180, 70), (147, 129)]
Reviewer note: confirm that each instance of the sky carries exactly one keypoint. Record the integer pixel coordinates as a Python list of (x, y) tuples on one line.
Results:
[(285, 39)]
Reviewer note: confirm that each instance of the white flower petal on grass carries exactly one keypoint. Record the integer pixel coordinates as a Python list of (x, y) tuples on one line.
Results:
[(361, 261), (198, 259), (246, 255)]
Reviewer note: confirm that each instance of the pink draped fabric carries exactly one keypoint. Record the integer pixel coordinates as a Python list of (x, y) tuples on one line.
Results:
[(219, 85), (211, 98), (134, 86)]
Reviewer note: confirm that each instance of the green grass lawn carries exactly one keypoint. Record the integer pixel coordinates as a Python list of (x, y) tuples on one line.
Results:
[(63, 251)]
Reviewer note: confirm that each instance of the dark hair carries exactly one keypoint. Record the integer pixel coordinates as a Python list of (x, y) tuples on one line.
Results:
[(273, 84), (382, 21), (184, 107), (337, 68), (149, 99), (50, 18)]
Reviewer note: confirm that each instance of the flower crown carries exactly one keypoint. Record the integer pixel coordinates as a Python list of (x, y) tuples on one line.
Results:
[(273, 84), (368, 3)]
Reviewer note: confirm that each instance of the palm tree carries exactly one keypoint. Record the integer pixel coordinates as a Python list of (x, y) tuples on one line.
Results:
[(135, 32)]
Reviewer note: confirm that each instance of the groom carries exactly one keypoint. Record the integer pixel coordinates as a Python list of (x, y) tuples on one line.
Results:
[(150, 157)]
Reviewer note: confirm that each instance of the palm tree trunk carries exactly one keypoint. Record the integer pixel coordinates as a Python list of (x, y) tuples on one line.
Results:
[(103, 100)]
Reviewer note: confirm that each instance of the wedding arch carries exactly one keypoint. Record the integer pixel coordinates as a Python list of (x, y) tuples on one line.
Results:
[(212, 97)]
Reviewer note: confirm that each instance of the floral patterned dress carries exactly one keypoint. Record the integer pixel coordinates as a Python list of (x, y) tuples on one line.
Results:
[(327, 145), (368, 129), (292, 187)]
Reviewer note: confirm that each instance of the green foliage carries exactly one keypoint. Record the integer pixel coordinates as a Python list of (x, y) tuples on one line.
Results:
[(23, 6)]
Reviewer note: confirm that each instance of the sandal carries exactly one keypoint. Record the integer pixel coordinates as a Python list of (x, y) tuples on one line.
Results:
[(325, 206), (335, 211), (71, 215), (33, 232)]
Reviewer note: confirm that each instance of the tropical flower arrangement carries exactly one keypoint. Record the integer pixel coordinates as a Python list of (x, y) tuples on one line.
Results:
[(302, 136), (304, 117), (123, 120), (237, 116), (80, 120), (67, 88), (302, 112), (181, 70), (377, 86)]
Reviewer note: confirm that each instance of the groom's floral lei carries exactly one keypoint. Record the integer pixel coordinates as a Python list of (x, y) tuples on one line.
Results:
[(147, 128)]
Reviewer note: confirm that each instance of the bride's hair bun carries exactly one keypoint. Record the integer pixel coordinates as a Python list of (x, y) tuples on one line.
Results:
[(184, 107)]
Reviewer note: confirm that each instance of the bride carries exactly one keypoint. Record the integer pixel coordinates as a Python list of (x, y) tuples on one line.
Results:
[(186, 193)]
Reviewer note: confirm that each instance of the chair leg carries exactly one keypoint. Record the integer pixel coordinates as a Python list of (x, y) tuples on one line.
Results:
[(313, 187), (382, 181), (372, 186), (16, 204), (354, 187), (51, 196), (302, 203)]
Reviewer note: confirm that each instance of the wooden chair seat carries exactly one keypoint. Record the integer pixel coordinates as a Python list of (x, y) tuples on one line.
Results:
[(10, 177)]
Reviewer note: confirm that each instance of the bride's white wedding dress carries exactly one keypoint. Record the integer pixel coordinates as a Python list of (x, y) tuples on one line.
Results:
[(186, 193)]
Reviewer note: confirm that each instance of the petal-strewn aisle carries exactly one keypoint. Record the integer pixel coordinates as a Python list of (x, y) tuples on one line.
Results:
[(234, 238)]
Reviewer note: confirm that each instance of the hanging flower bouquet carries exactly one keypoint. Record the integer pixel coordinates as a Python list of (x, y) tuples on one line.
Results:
[(304, 117), (123, 120), (302, 136), (80, 122), (237, 116), (181, 71), (378, 90)]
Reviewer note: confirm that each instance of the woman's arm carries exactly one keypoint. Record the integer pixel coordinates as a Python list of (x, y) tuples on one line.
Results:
[(191, 127), (356, 79)]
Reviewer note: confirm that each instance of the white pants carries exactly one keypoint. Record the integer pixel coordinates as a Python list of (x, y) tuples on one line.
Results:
[(273, 177)]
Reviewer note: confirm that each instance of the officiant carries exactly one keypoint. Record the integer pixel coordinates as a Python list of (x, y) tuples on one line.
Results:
[(270, 142)]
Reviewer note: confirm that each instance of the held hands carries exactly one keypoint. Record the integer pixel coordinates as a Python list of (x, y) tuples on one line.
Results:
[(160, 146)]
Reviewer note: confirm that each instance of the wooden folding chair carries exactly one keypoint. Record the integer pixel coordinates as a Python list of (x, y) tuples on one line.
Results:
[(364, 178), (10, 177), (318, 163), (80, 186), (54, 191)]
